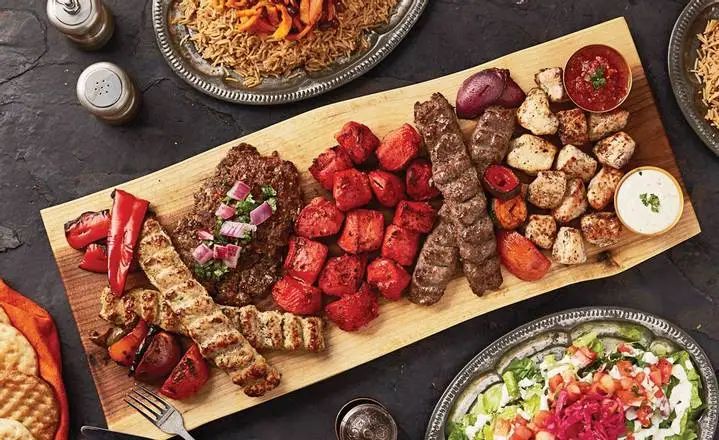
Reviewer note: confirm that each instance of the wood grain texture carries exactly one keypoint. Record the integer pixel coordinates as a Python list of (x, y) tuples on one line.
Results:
[(302, 138)]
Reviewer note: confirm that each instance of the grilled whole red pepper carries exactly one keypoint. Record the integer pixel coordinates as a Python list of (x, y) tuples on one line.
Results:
[(128, 213), (95, 258), (88, 228), (188, 376)]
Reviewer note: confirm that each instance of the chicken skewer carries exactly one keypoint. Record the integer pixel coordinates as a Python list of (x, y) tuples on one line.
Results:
[(218, 340), (263, 330)]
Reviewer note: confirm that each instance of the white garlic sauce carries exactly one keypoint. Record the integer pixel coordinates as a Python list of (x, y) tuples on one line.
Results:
[(648, 201)]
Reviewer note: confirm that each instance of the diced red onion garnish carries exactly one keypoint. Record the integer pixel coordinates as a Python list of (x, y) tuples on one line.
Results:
[(225, 212), (239, 190), (236, 229), (204, 235), (232, 255), (219, 252), (202, 253), (261, 213)]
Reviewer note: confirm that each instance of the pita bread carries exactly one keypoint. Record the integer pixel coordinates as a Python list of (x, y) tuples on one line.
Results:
[(4, 319), (30, 401), (14, 430), (16, 353)]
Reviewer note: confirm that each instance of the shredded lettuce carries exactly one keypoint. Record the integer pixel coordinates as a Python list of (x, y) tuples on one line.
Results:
[(456, 432), (478, 407), (508, 412), (591, 341), (511, 382), (532, 399), (491, 398), (524, 369), (631, 332)]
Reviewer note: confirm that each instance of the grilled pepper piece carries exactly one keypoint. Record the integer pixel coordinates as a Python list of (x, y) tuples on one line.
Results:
[(128, 213), (95, 258), (508, 214), (521, 257), (88, 228), (123, 351)]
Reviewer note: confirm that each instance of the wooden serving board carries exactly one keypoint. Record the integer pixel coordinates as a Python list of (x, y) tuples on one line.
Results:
[(302, 138)]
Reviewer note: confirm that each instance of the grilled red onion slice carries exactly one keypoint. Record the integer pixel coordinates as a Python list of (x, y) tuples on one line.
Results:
[(261, 213), (202, 253), (232, 255), (219, 252), (236, 229), (225, 212), (239, 190)]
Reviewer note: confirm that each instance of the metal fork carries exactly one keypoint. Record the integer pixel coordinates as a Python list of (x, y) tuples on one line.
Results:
[(157, 411)]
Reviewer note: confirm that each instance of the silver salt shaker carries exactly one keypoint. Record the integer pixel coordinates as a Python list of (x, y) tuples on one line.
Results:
[(87, 23), (106, 91)]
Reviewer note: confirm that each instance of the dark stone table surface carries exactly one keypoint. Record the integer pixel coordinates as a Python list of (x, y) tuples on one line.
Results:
[(52, 151)]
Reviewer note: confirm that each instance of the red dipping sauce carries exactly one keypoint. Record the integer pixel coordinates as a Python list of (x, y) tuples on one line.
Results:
[(597, 78)]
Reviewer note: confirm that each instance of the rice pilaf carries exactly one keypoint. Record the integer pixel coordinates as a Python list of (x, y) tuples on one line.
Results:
[(706, 69), (255, 57)]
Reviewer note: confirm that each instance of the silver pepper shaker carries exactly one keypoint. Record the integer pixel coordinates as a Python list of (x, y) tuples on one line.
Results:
[(107, 92), (88, 23), (365, 419)]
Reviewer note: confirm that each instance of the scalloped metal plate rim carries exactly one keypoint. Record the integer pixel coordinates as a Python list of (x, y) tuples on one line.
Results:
[(487, 359), (684, 90), (333, 78)]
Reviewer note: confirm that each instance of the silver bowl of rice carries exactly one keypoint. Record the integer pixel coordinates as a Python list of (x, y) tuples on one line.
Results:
[(694, 68), (202, 47)]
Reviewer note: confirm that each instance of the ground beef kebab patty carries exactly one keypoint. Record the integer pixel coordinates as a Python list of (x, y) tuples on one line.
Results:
[(259, 264)]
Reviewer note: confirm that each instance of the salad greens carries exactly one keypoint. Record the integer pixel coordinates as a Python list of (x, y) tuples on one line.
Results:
[(625, 392)]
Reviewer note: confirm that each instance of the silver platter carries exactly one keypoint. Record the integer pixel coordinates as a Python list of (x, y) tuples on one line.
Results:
[(552, 334), (184, 60), (683, 46)]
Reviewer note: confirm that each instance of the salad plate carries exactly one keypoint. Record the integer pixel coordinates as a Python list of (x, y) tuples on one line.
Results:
[(483, 390)]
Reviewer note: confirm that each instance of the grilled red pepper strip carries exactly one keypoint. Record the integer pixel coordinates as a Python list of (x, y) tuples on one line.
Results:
[(88, 228), (95, 258), (128, 213)]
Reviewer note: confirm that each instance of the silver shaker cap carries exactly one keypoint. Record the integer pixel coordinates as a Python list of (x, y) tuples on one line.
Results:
[(107, 92), (88, 23), (365, 419)]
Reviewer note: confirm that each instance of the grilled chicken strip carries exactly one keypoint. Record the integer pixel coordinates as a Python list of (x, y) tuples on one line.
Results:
[(490, 139), (219, 341), (263, 330), (436, 265), (457, 180)]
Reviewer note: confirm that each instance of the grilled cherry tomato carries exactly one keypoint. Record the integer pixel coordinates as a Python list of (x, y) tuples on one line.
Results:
[(161, 356), (188, 376), (501, 182)]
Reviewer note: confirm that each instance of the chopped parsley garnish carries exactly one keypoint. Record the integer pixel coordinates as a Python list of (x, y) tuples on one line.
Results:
[(268, 192), (244, 207), (215, 270), (211, 271), (598, 79), (650, 201)]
